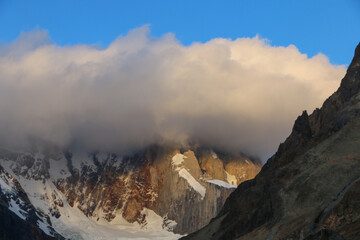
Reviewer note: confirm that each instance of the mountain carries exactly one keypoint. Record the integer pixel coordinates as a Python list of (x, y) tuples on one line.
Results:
[(156, 193), (310, 189), (18, 218)]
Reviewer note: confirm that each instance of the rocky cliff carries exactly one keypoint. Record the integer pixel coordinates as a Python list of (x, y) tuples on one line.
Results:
[(182, 188), (310, 188)]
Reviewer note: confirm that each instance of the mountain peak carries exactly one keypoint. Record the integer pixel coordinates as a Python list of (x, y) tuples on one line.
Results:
[(350, 85), (357, 52)]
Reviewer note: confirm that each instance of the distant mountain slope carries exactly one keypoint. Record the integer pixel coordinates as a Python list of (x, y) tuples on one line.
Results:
[(310, 188), (153, 193)]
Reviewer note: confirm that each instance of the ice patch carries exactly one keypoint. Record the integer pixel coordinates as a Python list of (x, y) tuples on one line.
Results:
[(192, 182), (221, 183)]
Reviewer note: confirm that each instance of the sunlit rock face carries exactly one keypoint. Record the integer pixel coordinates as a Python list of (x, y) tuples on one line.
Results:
[(310, 188), (184, 187)]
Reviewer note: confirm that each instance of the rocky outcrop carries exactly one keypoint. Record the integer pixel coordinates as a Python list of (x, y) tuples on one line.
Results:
[(231, 167), (343, 215), (183, 203), (309, 184)]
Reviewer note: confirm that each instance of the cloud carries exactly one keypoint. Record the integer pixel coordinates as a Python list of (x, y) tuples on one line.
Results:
[(239, 94)]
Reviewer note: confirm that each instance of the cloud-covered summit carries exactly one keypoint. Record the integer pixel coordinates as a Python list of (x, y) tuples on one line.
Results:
[(239, 94)]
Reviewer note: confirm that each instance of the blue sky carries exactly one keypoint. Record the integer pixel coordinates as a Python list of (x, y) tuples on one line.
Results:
[(327, 26)]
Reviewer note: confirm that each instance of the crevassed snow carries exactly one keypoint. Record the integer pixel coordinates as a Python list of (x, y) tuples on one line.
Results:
[(178, 159), (192, 182), (231, 179), (221, 183)]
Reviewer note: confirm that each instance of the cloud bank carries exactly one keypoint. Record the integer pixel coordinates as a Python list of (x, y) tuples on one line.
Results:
[(239, 94)]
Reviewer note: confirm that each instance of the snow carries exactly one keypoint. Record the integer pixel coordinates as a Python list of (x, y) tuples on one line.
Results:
[(74, 224), (15, 208), (44, 227), (57, 169), (231, 179), (192, 182), (169, 224), (178, 159), (7, 186), (23, 169), (213, 154), (116, 163), (152, 194), (155, 222), (102, 157), (81, 158), (221, 183)]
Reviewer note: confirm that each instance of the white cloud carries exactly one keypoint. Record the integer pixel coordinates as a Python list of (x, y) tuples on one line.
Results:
[(242, 94)]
